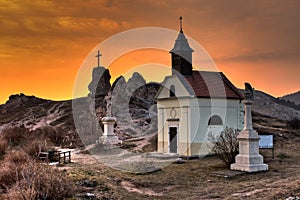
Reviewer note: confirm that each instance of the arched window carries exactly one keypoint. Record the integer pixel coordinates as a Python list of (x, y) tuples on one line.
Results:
[(172, 91), (215, 120)]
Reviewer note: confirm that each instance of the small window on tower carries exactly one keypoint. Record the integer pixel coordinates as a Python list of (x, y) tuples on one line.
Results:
[(215, 120), (172, 91)]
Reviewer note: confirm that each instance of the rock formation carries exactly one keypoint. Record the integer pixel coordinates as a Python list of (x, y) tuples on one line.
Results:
[(100, 84)]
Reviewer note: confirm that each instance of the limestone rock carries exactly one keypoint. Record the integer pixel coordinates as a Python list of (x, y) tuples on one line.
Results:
[(135, 82), (100, 84), (120, 101)]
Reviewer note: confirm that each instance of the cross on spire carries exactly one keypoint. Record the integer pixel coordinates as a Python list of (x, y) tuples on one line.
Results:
[(180, 19), (98, 56)]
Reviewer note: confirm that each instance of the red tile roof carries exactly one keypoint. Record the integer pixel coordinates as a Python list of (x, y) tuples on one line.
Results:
[(212, 85)]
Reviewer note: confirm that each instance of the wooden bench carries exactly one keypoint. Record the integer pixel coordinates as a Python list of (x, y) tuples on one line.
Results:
[(64, 157), (42, 155)]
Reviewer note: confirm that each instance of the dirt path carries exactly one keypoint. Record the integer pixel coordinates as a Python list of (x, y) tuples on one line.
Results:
[(140, 142), (130, 187)]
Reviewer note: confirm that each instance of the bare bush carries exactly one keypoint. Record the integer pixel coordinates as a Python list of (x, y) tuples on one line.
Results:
[(225, 145)]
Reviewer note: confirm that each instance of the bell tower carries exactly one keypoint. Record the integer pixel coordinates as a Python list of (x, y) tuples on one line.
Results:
[(182, 54)]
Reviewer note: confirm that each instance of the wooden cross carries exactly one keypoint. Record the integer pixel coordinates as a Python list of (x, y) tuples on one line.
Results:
[(180, 18), (98, 56)]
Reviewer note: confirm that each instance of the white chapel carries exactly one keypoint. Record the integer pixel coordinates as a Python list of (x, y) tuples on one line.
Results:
[(193, 104)]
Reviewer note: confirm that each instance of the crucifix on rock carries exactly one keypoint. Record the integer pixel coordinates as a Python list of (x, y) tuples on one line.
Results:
[(98, 56)]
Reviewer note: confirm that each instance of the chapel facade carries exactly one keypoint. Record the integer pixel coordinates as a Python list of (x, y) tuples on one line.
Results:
[(193, 104)]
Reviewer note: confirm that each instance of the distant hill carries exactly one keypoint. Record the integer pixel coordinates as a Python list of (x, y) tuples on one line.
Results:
[(34, 112), (295, 97), (268, 105)]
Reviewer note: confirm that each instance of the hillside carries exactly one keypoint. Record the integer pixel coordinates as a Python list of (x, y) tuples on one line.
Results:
[(294, 97), (268, 105), (34, 113)]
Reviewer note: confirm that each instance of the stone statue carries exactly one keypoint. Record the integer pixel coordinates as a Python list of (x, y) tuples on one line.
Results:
[(249, 92), (108, 104)]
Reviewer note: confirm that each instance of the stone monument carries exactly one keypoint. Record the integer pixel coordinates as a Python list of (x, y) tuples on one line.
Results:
[(108, 136), (248, 159)]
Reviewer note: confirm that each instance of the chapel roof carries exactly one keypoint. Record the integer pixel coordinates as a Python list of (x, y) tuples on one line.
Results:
[(206, 84)]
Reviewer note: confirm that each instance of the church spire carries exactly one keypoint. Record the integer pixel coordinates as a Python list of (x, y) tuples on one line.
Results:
[(182, 54)]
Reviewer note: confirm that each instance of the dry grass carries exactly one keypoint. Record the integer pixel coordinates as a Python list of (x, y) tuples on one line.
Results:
[(9, 165), (195, 179), (36, 181), (23, 178), (7, 176), (192, 180)]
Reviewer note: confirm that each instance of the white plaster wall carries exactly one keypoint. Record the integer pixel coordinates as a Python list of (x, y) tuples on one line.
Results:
[(180, 90), (228, 110)]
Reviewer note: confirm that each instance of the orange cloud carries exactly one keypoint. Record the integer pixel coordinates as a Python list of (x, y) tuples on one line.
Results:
[(43, 43)]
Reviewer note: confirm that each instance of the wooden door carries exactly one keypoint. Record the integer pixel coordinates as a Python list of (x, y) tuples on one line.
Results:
[(173, 139)]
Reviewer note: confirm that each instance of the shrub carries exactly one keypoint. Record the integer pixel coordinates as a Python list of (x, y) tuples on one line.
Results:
[(17, 157), (36, 181), (55, 135), (226, 145), (33, 148), (294, 123), (9, 166), (15, 135), (3, 148)]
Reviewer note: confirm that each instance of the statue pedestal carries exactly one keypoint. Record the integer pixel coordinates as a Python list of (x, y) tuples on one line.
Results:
[(108, 136), (249, 159)]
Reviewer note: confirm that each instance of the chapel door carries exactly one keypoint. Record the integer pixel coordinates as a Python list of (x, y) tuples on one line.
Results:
[(173, 139)]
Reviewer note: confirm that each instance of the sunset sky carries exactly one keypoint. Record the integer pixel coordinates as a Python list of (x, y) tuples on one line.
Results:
[(43, 43)]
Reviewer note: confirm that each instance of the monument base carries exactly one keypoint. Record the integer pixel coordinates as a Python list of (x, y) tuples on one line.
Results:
[(249, 159), (109, 139), (108, 136), (249, 168)]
